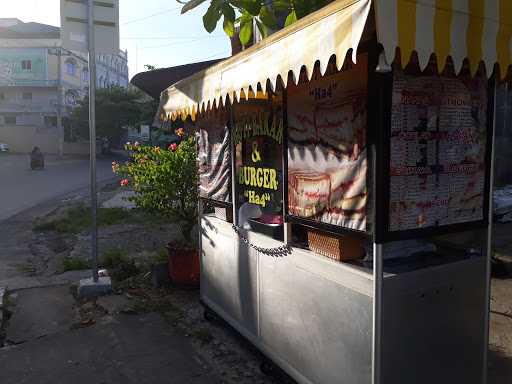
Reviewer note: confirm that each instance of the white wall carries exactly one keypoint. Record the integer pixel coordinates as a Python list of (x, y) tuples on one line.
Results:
[(22, 139)]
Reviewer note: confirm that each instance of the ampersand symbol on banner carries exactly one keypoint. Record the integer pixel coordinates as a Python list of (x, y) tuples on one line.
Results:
[(255, 153)]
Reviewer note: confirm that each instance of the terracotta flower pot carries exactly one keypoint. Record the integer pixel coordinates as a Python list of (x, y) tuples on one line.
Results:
[(184, 266)]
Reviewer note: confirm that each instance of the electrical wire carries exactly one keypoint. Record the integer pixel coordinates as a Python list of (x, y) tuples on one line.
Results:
[(179, 43), (215, 54), (152, 15)]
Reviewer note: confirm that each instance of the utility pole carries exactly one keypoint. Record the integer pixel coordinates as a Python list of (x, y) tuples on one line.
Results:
[(92, 139)]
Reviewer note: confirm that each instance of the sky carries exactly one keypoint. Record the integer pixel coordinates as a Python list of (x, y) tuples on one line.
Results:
[(153, 31)]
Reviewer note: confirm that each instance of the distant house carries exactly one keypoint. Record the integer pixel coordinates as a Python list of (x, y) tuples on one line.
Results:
[(29, 82)]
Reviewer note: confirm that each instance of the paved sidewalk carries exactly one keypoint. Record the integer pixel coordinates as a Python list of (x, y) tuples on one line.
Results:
[(127, 349)]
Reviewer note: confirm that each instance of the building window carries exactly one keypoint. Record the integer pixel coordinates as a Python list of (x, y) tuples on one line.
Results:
[(26, 65), (10, 120), (85, 75), (71, 67), (26, 95)]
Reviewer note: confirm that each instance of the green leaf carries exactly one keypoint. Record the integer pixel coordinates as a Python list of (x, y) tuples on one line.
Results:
[(245, 30), (211, 18), (281, 5), (251, 6), (191, 5), (229, 27), (263, 30), (291, 18), (228, 12), (268, 18)]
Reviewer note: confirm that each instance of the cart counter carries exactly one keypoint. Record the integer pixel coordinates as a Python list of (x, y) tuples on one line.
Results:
[(313, 316)]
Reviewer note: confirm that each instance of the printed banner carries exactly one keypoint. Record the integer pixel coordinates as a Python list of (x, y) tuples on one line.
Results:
[(327, 156), (438, 144), (214, 161), (258, 137)]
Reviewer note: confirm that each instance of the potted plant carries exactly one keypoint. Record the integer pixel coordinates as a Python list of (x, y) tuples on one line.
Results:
[(165, 182)]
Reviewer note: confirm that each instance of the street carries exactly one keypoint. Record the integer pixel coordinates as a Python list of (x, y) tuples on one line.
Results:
[(22, 188)]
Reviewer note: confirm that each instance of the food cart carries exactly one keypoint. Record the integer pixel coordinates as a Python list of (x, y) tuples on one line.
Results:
[(340, 158)]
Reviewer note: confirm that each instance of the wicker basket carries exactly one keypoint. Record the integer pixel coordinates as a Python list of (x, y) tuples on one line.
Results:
[(224, 213), (339, 248)]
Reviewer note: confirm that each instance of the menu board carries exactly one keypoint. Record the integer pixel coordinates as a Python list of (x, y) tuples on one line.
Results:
[(437, 155), (327, 154), (214, 160)]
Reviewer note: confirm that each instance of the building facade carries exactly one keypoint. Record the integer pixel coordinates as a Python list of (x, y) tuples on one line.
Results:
[(41, 83)]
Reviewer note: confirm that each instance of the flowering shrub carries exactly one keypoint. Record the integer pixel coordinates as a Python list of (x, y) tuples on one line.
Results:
[(164, 181)]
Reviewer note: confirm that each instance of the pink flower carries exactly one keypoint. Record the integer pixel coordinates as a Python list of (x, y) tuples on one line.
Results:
[(136, 144), (124, 182), (173, 147), (180, 132)]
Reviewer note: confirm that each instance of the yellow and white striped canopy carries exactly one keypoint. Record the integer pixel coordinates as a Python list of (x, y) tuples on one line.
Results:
[(473, 29), (332, 30), (479, 30)]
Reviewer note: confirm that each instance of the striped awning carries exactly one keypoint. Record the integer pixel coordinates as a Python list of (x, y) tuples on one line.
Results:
[(334, 29), (479, 30)]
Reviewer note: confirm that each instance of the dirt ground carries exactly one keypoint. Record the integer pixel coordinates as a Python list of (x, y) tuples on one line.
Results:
[(40, 264)]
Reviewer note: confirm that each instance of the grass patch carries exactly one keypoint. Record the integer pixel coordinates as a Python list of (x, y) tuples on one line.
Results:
[(74, 264), (27, 269), (78, 219), (120, 266), (114, 257)]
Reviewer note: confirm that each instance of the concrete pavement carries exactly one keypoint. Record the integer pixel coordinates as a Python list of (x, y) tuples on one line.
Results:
[(127, 349), (52, 346), (22, 188)]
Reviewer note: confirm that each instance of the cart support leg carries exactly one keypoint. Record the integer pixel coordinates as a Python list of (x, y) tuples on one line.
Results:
[(377, 313), (490, 247)]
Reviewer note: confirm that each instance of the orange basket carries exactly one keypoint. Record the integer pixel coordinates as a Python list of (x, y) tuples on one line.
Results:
[(339, 248)]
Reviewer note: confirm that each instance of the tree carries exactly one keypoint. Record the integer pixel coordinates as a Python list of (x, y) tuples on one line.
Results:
[(116, 108), (149, 67), (266, 14)]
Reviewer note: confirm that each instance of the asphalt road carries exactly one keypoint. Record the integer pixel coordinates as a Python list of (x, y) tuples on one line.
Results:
[(22, 188)]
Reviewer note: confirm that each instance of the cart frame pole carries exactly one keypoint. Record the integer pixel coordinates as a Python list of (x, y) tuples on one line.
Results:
[(232, 148), (377, 313), (490, 238)]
